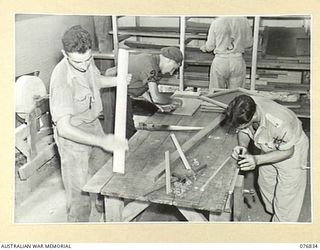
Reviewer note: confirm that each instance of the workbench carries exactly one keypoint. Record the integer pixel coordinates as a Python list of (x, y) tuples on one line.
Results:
[(125, 193)]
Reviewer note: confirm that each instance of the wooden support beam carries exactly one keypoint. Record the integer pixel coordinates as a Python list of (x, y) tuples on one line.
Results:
[(182, 49), (121, 111), (157, 171), (113, 209), (115, 38), (133, 209), (21, 134), (255, 52), (238, 198), (192, 215), (29, 168)]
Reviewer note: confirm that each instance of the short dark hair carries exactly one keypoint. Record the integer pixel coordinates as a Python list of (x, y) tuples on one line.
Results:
[(240, 111), (76, 39)]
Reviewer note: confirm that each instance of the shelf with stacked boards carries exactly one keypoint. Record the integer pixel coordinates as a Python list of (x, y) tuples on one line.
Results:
[(276, 73)]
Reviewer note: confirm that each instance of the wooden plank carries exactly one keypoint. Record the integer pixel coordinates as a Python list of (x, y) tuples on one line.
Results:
[(255, 52), (238, 198), (29, 168), (121, 111), (197, 138), (182, 49), (220, 104), (214, 174), (168, 174), (32, 138), (21, 134), (189, 106), (179, 149), (133, 209), (135, 183), (192, 215), (101, 178)]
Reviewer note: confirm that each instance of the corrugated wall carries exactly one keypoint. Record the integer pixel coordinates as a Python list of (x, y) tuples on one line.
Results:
[(38, 41)]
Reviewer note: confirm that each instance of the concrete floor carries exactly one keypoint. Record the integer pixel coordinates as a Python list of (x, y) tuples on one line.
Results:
[(47, 204)]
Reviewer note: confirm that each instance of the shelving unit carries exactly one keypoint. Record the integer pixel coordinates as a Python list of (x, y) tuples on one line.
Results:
[(195, 69)]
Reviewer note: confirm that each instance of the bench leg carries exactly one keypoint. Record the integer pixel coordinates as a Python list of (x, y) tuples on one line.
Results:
[(113, 208), (238, 199)]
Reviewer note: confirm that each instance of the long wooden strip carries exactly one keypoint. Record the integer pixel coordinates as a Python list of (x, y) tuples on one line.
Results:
[(168, 174), (182, 156), (157, 171), (221, 104), (214, 174), (121, 111)]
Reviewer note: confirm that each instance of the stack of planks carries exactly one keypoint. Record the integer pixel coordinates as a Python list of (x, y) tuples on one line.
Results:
[(210, 107)]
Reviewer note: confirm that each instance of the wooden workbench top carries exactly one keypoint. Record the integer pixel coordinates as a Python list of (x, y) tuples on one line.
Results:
[(146, 150)]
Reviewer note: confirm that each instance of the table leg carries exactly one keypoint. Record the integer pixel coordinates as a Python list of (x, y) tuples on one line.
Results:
[(192, 215), (113, 208), (238, 198)]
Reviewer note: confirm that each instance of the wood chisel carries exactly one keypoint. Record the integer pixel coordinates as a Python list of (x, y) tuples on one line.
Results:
[(162, 127)]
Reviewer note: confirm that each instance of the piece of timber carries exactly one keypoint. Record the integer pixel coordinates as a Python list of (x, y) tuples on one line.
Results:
[(204, 98), (157, 171), (192, 215), (99, 180), (132, 209), (180, 151), (21, 133), (121, 110), (238, 198), (214, 174), (113, 209), (162, 127), (42, 157), (160, 34), (168, 174)]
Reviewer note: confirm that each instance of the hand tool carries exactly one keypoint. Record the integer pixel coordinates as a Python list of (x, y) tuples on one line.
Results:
[(184, 175), (176, 176), (162, 127)]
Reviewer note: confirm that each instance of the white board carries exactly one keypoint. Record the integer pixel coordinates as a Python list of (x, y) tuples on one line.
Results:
[(121, 110)]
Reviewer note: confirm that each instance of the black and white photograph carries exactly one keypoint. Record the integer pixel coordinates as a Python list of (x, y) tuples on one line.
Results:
[(169, 119)]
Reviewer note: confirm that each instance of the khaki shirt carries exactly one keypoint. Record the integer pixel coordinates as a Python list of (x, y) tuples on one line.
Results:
[(75, 93), (279, 129), (144, 69), (229, 35)]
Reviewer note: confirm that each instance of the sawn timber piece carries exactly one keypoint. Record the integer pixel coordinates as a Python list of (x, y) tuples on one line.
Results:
[(155, 173)]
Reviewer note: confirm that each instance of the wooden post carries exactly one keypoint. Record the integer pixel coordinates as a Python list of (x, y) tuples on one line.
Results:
[(115, 38), (121, 110), (137, 19), (168, 174), (182, 48), (255, 52)]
